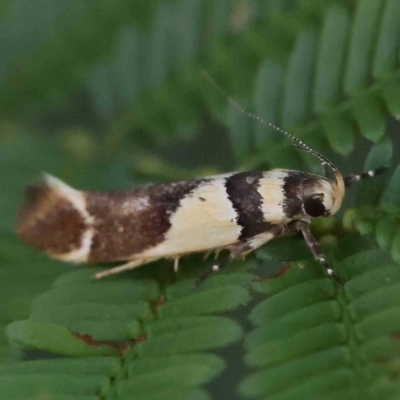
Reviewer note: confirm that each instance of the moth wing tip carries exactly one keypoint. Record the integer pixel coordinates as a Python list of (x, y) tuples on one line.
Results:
[(48, 218)]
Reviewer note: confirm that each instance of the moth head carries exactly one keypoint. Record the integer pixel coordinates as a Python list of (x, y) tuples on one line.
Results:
[(322, 198)]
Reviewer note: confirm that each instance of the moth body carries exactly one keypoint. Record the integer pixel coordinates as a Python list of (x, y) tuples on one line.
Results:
[(237, 211)]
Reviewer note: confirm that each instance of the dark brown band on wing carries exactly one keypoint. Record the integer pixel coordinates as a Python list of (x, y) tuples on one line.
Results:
[(48, 221), (242, 190), (129, 222), (293, 189)]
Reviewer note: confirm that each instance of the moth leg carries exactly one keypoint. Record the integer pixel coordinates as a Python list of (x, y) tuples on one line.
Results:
[(124, 267), (216, 255), (354, 178), (216, 267), (243, 248), (316, 249), (176, 264)]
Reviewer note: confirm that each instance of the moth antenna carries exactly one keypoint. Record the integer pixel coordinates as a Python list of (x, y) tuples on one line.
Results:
[(256, 117), (324, 161), (353, 178), (297, 142)]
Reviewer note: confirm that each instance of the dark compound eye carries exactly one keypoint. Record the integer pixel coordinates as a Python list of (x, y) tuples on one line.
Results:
[(314, 207)]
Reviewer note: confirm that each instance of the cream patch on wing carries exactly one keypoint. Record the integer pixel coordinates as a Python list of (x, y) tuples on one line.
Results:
[(133, 205), (75, 197), (204, 220), (80, 254), (273, 196)]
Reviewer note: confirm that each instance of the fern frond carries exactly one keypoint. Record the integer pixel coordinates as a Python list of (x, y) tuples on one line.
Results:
[(162, 339), (313, 338)]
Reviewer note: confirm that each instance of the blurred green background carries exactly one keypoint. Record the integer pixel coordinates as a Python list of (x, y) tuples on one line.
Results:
[(110, 94)]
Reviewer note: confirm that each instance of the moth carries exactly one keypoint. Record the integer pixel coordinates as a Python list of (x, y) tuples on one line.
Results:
[(238, 212)]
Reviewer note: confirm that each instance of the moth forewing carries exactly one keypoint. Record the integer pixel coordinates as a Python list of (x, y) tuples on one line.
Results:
[(150, 222)]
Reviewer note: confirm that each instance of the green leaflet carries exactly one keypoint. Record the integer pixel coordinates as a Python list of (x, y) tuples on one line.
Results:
[(109, 366), (300, 369), (293, 298), (267, 94), (150, 364), (203, 335), (297, 88), (165, 394), (39, 385), (386, 58), (82, 378), (180, 376), (239, 132), (29, 335), (211, 301), (362, 40), (330, 57)]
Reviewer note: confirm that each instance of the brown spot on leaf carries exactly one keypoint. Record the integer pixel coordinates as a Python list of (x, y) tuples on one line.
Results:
[(161, 300), (88, 339), (280, 273), (140, 339)]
